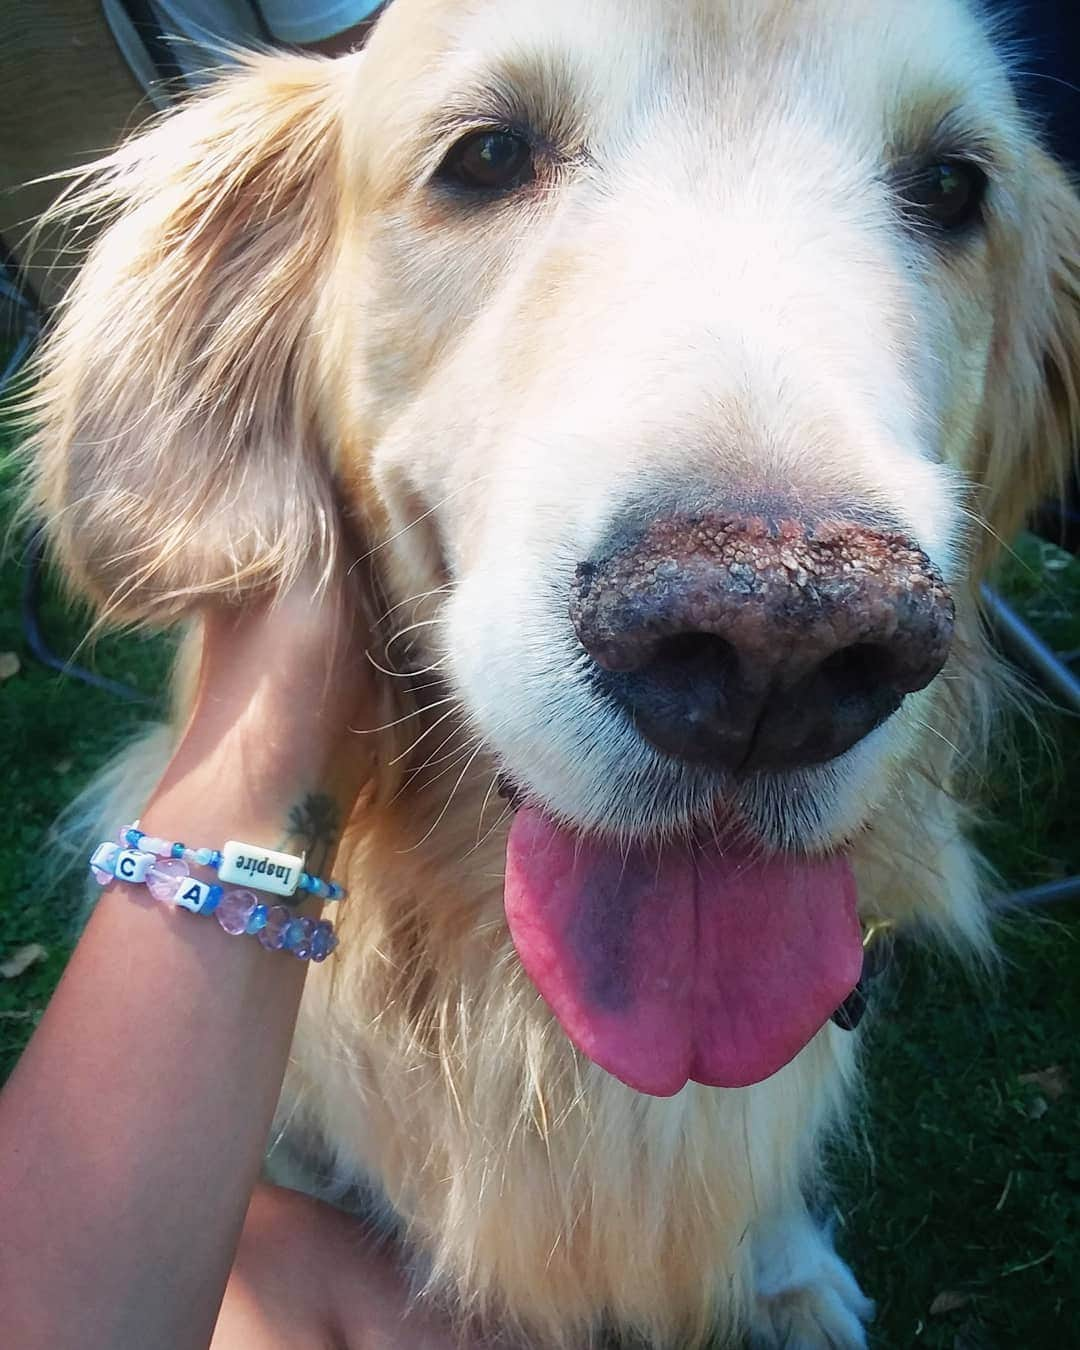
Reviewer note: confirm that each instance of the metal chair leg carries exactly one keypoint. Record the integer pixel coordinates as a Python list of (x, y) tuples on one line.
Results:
[(1029, 650)]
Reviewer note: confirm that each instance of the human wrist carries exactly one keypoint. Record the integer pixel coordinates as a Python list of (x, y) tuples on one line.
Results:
[(223, 846), (255, 784)]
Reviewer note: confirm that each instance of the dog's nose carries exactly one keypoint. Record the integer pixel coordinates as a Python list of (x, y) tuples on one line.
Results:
[(756, 644)]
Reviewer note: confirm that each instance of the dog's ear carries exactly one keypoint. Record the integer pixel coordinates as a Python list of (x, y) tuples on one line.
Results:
[(180, 446), (1030, 428)]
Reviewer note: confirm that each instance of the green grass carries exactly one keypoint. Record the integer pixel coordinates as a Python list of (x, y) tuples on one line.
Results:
[(55, 734), (969, 1182)]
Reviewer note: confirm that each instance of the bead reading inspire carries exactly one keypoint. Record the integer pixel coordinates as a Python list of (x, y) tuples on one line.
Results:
[(278, 873)]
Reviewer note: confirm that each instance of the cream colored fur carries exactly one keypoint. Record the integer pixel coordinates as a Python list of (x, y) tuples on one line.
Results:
[(289, 339)]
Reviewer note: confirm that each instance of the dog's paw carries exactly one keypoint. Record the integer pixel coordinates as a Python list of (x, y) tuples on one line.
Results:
[(805, 1297)]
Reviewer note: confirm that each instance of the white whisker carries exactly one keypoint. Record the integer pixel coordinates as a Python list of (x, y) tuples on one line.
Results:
[(426, 732), (405, 674), (446, 807), (416, 712)]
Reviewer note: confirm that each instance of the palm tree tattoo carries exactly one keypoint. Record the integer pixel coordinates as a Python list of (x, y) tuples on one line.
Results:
[(313, 829)]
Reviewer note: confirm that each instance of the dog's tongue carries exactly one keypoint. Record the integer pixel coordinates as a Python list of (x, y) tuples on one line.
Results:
[(707, 963)]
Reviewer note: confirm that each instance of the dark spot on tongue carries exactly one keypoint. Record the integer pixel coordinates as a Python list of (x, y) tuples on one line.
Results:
[(602, 935)]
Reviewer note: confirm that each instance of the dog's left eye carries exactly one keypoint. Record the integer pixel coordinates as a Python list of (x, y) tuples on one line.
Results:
[(948, 195), (493, 160)]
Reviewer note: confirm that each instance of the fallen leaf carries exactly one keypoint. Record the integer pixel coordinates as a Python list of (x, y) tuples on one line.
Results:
[(1037, 1108), (949, 1300), (1053, 1082), (9, 665), (22, 958)]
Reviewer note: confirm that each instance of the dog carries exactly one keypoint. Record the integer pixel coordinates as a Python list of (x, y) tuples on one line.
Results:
[(680, 368)]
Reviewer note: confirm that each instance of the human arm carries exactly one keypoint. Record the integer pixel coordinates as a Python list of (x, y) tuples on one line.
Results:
[(132, 1131)]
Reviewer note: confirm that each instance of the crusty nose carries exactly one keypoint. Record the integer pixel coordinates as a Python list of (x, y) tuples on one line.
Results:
[(755, 644)]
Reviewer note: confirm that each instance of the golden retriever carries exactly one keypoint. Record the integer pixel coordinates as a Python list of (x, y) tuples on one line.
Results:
[(679, 365)]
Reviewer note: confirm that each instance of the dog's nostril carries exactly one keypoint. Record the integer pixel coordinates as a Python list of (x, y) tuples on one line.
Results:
[(693, 649), (858, 669)]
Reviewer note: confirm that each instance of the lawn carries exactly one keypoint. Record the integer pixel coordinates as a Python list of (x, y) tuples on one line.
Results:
[(960, 1211)]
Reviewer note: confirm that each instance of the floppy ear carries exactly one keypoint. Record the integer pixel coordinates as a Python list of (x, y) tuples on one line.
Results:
[(1030, 430), (180, 448)]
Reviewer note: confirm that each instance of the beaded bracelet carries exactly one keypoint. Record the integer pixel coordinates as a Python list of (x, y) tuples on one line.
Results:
[(280, 873), (238, 911)]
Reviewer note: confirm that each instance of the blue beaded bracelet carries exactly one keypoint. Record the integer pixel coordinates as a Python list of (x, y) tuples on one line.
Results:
[(266, 869), (236, 910)]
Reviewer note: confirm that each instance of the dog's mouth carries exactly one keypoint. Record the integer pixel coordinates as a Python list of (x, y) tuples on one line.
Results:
[(698, 960)]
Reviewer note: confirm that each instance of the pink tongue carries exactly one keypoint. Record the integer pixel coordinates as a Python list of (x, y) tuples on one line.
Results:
[(664, 965)]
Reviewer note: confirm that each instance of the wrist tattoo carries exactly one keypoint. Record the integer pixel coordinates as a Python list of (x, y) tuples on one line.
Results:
[(314, 825)]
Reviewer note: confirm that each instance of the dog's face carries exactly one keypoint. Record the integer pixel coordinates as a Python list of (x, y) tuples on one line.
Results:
[(674, 360), (730, 262)]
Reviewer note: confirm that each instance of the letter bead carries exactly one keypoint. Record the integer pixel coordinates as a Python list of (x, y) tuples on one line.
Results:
[(196, 896), (103, 863), (132, 865)]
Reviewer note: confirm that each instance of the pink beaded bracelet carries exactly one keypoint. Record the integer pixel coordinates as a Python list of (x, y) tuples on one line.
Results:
[(237, 910)]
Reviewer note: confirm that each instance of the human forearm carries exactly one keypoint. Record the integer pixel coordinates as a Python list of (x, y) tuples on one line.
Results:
[(132, 1130), (122, 1209)]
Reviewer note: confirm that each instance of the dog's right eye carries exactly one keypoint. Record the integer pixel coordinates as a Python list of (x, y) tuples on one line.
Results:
[(493, 160)]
